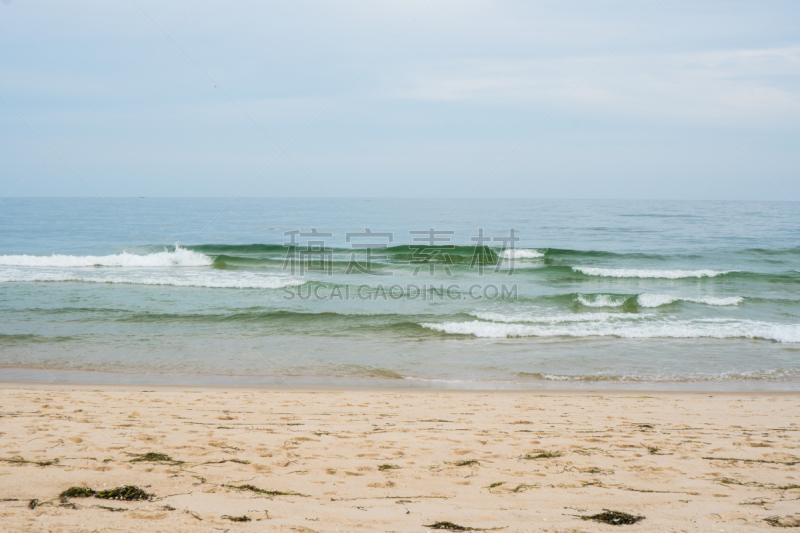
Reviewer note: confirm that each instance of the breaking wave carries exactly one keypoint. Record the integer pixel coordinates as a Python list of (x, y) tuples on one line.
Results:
[(679, 329), (656, 300), (652, 300), (201, 278), (648, 273), (556, 319), (513, 253), (180, 257), (601, 300)]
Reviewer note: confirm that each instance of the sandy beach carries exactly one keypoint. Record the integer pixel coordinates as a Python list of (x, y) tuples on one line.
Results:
[(210, 459)]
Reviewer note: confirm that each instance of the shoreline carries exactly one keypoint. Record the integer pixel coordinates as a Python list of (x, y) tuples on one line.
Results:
[(623, 393), (94, 378)]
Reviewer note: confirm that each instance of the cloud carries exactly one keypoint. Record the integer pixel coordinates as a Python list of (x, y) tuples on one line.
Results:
[(730, 86)]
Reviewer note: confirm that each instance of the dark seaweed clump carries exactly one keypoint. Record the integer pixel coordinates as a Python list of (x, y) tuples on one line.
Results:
[(257, 490), (243, 518), (128, 493), (19, 460), (155, 457), (77, 492), (449, 526), (387, 467), (614, 518), (541, 454), (785, 521)]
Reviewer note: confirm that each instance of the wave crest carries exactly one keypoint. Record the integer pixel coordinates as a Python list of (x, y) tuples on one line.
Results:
[(181, 257), (601, 300), (656, 300), (652, 300), (647, 273), (556, 319), (520, 253), (678, 329), (203, 278)]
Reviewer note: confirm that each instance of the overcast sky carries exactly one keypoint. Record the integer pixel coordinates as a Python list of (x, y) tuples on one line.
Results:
[(558, 99)]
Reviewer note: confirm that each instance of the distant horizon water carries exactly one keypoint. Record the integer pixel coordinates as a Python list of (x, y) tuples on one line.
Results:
[(455, 199), (387, 293)]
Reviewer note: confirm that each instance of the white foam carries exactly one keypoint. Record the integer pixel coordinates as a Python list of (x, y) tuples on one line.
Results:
[(656, 300), (556, 319), (181, 257), (442, 380), (645, 273), (552, 377), (771, 375), (602, 300), (521, 253), (680, 329), (177, 278)]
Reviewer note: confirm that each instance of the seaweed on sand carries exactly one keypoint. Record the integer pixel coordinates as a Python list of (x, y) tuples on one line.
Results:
[(257, 490), (542, 454), (733, 459), (455, 527), (155, 457), (234, 460), (784, 521), (128, 493), (469, 462), (112, 509), (449, 526), (388, 467), (77, 492), (614, 518), (243, 518), (19, 460)]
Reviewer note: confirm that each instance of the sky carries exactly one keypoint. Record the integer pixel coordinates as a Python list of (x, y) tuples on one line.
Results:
[(648, 99)]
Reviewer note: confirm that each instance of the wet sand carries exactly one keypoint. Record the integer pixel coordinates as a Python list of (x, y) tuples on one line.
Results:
[(366, 460)]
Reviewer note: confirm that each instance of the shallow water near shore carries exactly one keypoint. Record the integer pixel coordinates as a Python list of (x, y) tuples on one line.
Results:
[(595, 294)]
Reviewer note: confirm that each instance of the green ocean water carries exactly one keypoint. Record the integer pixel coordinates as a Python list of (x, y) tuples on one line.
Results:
[(593, 294)]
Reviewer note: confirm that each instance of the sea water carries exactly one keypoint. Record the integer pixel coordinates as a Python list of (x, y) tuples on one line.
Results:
[(438, 293)]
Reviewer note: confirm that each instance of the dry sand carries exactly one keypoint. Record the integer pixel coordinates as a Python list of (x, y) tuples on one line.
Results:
[(685, 461)]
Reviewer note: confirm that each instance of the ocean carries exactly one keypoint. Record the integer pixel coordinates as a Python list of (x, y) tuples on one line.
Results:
[(401, 293)]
